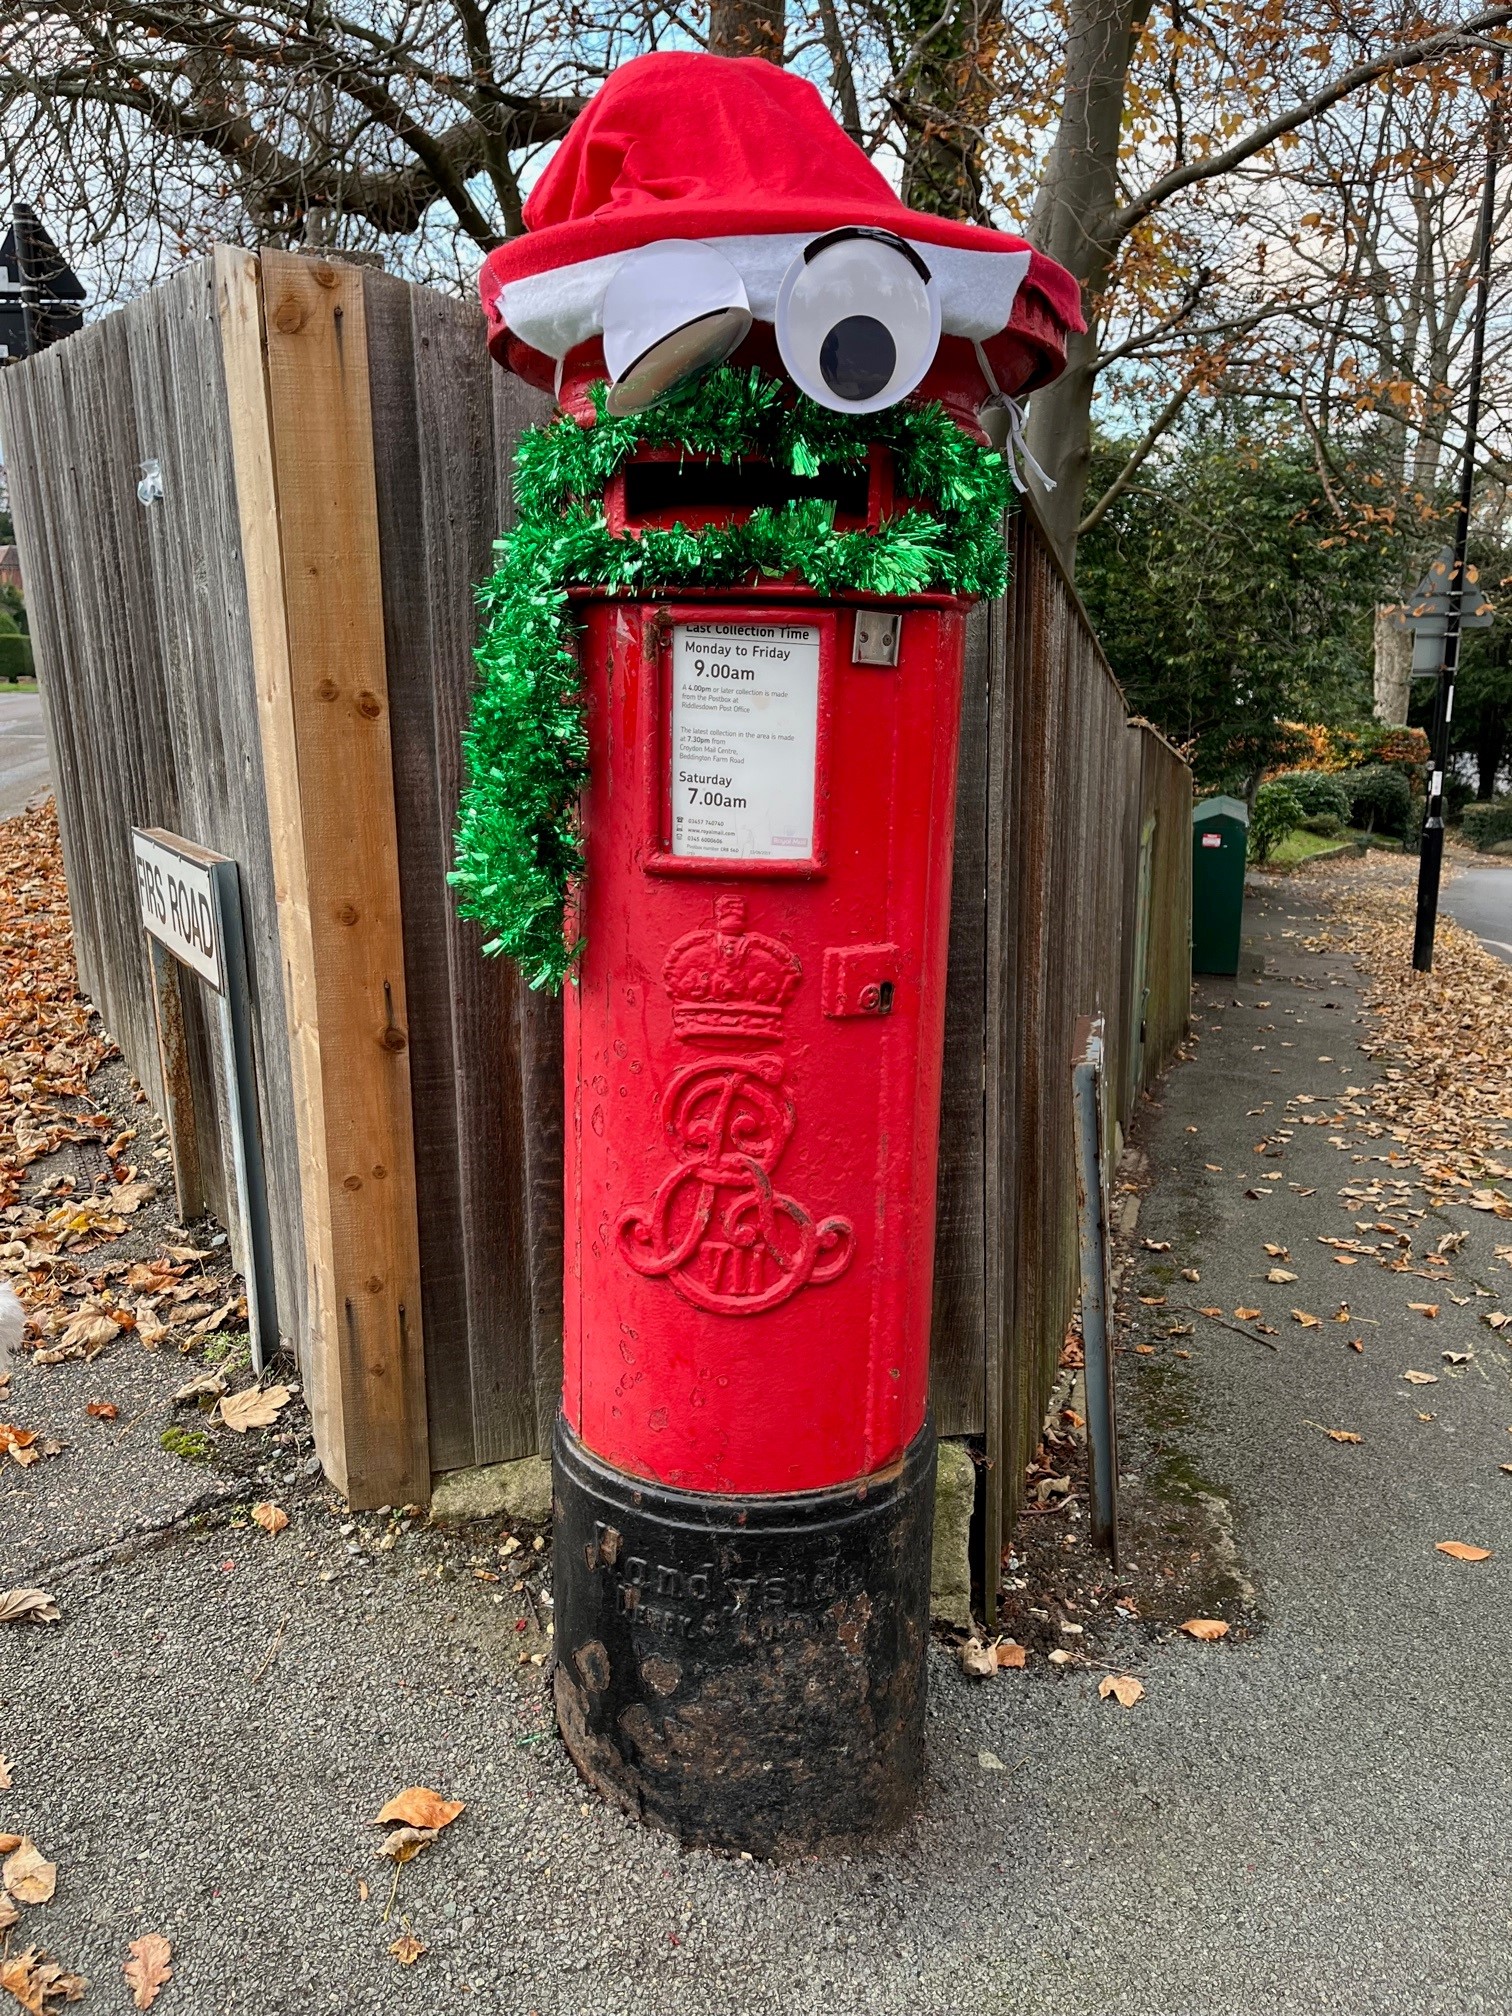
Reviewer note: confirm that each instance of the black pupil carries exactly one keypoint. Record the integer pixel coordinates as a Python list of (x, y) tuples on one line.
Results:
[(858, 357)]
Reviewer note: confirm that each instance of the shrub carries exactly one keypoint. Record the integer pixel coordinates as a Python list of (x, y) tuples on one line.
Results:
[(1320, 793), (1276, 810), (1485, 824), (1328, 825), (15, 651), (1380, 799), (1458, 793)]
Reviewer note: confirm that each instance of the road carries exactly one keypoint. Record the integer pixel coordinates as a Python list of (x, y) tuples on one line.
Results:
[(25, 766), (1481, 900)]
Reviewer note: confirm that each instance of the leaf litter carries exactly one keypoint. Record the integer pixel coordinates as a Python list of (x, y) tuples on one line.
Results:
[(147, 1969)]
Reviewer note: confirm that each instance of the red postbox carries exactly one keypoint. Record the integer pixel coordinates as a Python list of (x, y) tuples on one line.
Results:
[(754, 1024)]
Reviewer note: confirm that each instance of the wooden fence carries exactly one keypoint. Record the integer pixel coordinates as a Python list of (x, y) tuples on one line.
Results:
[(275, 661)]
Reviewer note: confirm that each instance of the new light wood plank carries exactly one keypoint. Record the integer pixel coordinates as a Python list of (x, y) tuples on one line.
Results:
[(305, 466)]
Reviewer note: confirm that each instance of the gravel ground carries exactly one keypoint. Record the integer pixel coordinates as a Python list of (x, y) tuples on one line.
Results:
[(1309, 1816)]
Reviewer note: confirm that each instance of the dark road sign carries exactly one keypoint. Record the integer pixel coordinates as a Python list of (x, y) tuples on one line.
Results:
[(41, 297)]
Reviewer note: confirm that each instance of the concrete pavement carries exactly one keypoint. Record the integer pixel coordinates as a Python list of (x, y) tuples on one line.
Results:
[(25, 765), (1481, 900), (1309, 1816)]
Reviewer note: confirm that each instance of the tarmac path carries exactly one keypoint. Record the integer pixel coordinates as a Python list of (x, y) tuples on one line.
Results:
[(1311, 1815), (25, 764)]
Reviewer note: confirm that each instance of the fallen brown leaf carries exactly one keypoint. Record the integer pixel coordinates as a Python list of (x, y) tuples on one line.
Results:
[(1460, 1550), (407, 1949), (10, 1913), (102, 1410), (1308, 1322), (1124, 1688), (271, 1518), (1342, 1435), (1247, 1315), (6, 1768), (405, 1843), (28, 1875), (32, 1606), (1421, 1378), (1280, 1275), (1011, 1654), (418, 1806), (208, 1386), (36, 1981), (148, 1968), (977, 1663), (1209, 1312), (1428, 1309), (1206, 1628), (93, 1330), (257, 1407)]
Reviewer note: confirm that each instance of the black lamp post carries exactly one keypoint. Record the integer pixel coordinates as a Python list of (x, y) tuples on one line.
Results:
[(1431, 860)]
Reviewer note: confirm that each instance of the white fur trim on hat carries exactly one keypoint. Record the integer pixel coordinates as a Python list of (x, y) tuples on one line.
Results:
[(554, 312)]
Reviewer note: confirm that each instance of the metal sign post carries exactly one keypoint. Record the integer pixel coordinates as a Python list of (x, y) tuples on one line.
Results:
[(191, 911), (1097, 1352)]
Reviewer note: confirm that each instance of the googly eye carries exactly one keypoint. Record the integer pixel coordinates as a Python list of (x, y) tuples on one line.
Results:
[(858, 320), (670, 311)]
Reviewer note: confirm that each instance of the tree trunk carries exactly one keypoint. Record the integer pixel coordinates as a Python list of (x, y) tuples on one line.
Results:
[(747, 28), (946, 107), (1393, 666), (1076, 202)]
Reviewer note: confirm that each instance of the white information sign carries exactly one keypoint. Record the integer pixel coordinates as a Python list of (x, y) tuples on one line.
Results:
[(178, 906), (745, 732)]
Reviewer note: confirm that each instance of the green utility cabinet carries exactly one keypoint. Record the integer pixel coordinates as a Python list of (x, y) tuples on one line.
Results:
[(1220, 841)]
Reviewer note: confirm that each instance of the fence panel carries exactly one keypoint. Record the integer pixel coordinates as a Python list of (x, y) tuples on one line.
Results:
[(160, 634)]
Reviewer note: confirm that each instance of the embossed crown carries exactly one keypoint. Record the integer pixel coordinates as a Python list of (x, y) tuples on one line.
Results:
[(729, 981)]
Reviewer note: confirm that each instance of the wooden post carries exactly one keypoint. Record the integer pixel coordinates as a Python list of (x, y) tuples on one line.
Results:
[(178, 1085), (301, 424)]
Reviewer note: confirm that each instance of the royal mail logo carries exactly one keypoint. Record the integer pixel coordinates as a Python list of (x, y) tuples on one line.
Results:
[(718, 1228)]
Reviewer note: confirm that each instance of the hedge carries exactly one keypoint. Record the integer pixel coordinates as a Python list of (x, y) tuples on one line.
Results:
[(15, 657), (1484, 824)]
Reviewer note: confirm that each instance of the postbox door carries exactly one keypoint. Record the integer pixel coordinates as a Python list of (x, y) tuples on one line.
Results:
[(754, 1037)]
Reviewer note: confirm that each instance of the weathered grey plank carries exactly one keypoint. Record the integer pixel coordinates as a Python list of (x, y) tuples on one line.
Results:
[(957, 1363)]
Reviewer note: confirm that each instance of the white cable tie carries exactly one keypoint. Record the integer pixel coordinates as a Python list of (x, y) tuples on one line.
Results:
[(1016, 447)]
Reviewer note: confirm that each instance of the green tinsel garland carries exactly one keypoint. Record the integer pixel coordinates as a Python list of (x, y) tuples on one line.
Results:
[(526, 749)]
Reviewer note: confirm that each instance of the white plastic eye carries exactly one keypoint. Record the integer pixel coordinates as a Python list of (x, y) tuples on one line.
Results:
[(671, 310), (858, 320)]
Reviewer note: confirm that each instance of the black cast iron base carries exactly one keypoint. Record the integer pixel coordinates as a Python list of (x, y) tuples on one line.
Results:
[(747, 1673)]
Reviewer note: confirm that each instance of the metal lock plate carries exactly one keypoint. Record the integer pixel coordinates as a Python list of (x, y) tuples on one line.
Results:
[(879, 632), (859, 980)]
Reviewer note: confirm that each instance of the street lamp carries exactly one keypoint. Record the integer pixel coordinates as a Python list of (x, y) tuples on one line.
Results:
[(1457, 577)]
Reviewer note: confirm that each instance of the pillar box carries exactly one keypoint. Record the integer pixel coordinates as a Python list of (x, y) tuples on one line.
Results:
[(754, 1018)]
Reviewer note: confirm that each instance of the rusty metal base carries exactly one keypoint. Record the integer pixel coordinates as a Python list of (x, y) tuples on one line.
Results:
[(746, 1673)]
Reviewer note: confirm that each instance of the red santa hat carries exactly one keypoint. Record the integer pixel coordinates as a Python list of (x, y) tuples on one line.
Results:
[(721, 178)]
